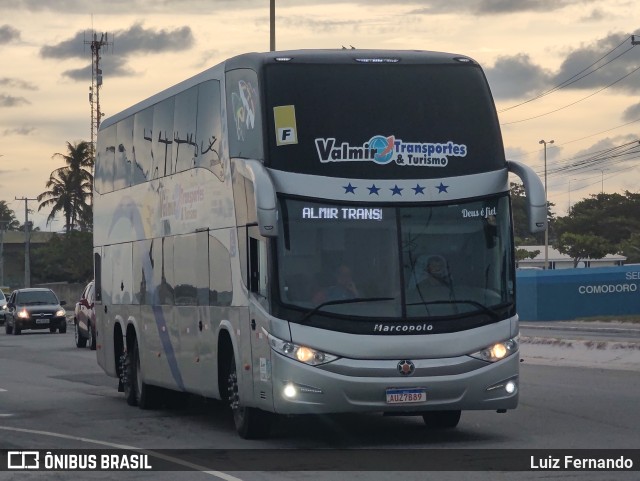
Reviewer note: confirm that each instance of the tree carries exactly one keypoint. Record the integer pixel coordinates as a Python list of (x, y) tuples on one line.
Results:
[(59, 197), (8, 217), (65, 258), (71, 187), (601, 224), (521, 218), (583, 246), (522, 254)]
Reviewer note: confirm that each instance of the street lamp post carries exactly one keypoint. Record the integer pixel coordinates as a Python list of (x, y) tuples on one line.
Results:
[(546, 201)]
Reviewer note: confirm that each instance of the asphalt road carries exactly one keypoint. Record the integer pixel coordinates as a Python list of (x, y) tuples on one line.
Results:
[(53, 396)]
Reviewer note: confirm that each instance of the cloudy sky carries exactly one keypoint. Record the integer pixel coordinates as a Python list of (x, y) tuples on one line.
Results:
[(562, 70)]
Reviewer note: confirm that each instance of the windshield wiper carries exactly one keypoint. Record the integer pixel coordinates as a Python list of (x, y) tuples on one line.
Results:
[(486, 309), (343, 301)]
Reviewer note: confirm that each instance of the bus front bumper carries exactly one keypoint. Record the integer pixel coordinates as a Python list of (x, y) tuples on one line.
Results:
[(460, 383)]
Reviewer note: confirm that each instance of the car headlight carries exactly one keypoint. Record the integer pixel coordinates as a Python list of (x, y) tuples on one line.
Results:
[(304, 354), (60, 312), (23, 314), (497, 351)]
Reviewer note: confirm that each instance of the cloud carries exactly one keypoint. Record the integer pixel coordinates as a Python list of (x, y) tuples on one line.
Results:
[(136, 39), (110, 65), (581, 58), (120, 7), (18, 131), (118, 48), (491, 7), (632, 113), (8, 34), (17, 83), (11, 101), (516, 76)]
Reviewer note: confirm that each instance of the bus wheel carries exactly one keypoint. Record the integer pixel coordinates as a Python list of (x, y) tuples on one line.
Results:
[(136, 392), (251, 423), (441, 419)]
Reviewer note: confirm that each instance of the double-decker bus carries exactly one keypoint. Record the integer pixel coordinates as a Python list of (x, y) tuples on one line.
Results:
[(308, 232)]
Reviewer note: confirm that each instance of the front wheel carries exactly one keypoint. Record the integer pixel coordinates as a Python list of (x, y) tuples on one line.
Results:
[(251, 423), (442, 419)]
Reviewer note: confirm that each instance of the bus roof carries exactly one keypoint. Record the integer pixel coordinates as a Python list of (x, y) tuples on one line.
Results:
[(256, 60)]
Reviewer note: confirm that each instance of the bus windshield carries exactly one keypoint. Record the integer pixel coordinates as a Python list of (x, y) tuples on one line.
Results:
[(396, 262), (426, 121)]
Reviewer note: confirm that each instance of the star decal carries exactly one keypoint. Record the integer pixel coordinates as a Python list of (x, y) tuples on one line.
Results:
[(418, 189), (349, 189), (396, 190), (373, 189), (442, 188)]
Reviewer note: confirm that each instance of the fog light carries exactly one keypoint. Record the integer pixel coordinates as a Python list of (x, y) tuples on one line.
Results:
[(510, 387), (290, 391)]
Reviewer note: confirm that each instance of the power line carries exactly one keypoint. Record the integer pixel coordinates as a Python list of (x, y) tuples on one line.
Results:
[(576, 102), (571, 80)]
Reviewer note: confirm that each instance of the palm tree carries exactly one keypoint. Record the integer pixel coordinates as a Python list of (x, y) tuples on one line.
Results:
[(59, 197), (8, 219), (71, 186)]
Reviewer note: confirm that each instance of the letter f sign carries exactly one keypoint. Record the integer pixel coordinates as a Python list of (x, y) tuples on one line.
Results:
[(284, 117)]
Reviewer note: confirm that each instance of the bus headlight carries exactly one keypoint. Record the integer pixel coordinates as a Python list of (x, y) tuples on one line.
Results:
[(497, 351), (304, 354)]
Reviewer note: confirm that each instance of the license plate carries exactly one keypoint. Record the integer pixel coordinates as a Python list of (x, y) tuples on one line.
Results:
[(406, 396), (42, 321)]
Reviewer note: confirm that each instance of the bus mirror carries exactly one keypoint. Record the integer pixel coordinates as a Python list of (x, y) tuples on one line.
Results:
[(265, 195), (536, 198)]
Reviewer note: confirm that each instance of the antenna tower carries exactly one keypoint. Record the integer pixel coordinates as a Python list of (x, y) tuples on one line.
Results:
[(96, 82)]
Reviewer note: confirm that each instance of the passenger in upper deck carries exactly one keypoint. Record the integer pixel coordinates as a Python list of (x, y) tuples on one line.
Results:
[(344, 287)]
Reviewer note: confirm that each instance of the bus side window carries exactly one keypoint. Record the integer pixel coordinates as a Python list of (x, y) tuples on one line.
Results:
[(258, 266)]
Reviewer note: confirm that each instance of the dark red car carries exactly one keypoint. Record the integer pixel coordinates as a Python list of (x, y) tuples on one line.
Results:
[(84, 318)]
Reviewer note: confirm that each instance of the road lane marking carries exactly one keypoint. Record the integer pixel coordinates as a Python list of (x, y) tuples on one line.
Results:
[(187, 464)]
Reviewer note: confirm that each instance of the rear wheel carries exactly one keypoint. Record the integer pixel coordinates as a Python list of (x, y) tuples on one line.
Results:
[(92, 337), (80, 341), (136, 391), (251, 423), (441, 419)]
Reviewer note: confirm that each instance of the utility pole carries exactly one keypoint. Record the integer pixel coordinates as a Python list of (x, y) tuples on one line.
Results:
[(96, 82), (272, 25), (27, 235)]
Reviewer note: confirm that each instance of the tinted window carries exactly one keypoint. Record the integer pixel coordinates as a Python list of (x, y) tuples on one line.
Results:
[(36, 297), (377, 121), (184, 130), (244, 115), (124, 154), (209, 127), (162, 138), (142, 137), (105, 159)]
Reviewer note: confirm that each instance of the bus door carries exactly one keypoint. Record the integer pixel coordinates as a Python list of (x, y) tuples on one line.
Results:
[(258, 323)]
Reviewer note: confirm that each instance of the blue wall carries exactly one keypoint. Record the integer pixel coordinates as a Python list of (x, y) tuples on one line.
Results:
[(566, 294)]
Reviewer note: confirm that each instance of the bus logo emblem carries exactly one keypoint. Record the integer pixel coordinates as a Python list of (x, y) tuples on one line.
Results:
[(406, 368)]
